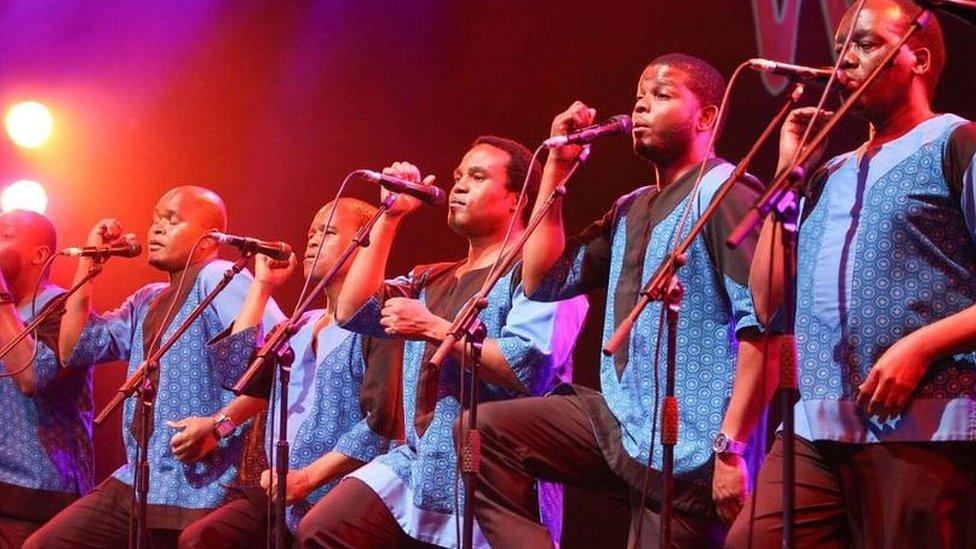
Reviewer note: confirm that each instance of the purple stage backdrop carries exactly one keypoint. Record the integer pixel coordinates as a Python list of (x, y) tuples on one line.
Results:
[(271, 103)]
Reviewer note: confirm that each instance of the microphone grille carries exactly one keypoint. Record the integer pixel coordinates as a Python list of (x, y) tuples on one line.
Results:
[(624, 123)]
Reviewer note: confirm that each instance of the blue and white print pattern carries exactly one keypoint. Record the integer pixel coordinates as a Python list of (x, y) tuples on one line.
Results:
[(417, 480), (885, 251), (191, 383), (714, 309), (45, 440), (323, 401)]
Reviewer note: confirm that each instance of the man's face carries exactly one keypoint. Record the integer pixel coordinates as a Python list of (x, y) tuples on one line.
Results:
[(480, 204), (179, 220), (879, 26), (665, 114), (332, 239), (16, 246)]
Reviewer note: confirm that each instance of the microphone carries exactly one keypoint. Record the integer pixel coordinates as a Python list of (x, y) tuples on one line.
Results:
[(279, 251), (428, 194), (615, 125), (790, 70), (127, 247)]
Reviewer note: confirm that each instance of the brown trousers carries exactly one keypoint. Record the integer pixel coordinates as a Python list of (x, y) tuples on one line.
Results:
[(352, 516), (98, 520), (866, 495), (551, 438)]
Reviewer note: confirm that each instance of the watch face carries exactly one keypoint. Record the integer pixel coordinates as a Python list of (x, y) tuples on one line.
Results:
[(720, 444)]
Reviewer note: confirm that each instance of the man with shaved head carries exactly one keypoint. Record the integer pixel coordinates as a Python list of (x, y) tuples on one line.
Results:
[(45, 425), (190, 395), (885, 316)]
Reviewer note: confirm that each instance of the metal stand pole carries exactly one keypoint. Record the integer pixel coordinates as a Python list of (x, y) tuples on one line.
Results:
[(275, 349), (471, 449), (669, 412)]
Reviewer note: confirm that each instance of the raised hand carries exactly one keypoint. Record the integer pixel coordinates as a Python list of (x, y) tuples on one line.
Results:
[(792, 131), (577, 116), (105, 232), (273, 273), (408, 172)]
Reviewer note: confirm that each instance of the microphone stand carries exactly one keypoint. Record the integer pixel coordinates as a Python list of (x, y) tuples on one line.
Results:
[(276, 351), (55, 305), (467, 328), (780, 200), (141, 382), (664, 286)]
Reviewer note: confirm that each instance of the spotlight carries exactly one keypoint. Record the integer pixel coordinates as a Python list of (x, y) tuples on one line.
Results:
[(24, 195), (29, 124)]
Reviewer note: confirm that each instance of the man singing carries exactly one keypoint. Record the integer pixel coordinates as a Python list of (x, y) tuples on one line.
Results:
[(885, 315), (408, 497), (602, 440), (189, 381), (45, 426), (328, 433)]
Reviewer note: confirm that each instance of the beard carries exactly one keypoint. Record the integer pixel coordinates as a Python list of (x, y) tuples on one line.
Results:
[(665, 144)]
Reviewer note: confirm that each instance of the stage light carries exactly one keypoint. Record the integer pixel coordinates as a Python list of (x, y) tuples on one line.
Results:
[(24, 195), (29, 124)]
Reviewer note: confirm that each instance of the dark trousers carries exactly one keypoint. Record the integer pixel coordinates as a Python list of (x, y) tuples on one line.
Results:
[(14, 531), (352, 516), (551, 438), (97, 520), (240, 522), (866, 495)]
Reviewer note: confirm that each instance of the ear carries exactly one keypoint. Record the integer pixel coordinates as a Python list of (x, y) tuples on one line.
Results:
[(707, 117), (208, 244), (40, 254), (922, 61)]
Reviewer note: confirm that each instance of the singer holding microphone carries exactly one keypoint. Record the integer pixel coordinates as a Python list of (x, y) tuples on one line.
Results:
[(189, 380), (599, 440), (45, 431), (328, 432), (406, 498), (885, 440)]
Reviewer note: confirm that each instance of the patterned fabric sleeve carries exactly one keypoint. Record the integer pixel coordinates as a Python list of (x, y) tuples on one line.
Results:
[(584, 265), (361, 443), (366, 321), (46, 361), (231, 354), (733, 263), (538, 337), (108, 337), (231, 357)]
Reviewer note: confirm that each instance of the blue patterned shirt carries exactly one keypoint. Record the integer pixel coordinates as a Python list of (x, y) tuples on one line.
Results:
[(417, 480), (323, 402), (887, 245), (620, 253), (190, 384), (45, 440)]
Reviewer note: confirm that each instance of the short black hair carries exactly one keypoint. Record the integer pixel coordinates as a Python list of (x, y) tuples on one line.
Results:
[(518, 166), (704, 80)]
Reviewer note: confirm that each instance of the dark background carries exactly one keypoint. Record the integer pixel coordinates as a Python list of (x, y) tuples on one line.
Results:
[(271, 103)]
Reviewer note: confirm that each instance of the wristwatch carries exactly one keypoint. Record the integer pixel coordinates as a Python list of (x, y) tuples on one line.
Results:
[(723, 444), (223, 426)]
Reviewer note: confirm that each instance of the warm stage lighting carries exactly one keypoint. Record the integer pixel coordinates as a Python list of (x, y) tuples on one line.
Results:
[(29, 124), (24, 195)]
